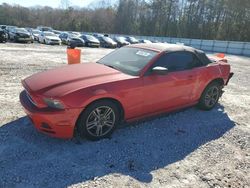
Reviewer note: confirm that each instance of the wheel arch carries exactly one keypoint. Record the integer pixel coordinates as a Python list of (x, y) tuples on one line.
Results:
[(215, 80), (115, 101)]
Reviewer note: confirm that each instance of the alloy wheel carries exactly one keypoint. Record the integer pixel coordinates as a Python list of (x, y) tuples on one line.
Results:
[(100, 121), (212, 96)]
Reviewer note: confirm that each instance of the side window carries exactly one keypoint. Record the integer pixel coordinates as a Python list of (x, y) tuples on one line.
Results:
[(176, 61), (196, 62)]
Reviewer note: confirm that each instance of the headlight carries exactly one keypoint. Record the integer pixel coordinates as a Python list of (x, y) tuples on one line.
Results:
[(53, 103)]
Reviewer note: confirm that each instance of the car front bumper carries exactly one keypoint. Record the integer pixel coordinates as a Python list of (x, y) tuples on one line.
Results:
[(55, 123), (54, 42), (109, 45), (91, 44), (21, 39)]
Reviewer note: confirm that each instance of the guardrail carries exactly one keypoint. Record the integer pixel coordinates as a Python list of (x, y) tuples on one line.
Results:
[(230, 47)]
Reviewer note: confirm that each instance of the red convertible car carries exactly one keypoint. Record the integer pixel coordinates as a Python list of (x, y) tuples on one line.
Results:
[(130, 83)]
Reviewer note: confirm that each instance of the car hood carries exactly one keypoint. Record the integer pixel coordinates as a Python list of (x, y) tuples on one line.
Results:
[(52, 38), (123, 41), (93, 40), (64, 80), (111, 42)]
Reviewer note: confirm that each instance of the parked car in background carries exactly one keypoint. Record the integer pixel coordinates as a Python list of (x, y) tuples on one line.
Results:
[(121, 41), (91, 41), (76, 42), (20, 35), (8, 28), (35, 33), (44, 28), (3, 36), (2, 27), (145, 41), (132, 40), (29, 29), (70, 38), (128, 84), (48, 37), (64, 36), (107, 42)]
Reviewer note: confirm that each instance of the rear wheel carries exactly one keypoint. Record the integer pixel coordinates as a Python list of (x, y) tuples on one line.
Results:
[(210, 96), (99, 120)]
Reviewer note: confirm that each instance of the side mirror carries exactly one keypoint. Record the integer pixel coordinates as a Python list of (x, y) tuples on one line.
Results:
[(160, 70)]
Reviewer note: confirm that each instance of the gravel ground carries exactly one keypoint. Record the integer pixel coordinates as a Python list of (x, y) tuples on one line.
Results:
[(191, 148)]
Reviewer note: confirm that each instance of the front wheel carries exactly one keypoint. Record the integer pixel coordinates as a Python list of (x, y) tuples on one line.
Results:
[(210, 96), (98, 120)]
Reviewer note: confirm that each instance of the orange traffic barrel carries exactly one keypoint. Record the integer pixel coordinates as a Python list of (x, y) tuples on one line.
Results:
[(74, 56), (220, 55)]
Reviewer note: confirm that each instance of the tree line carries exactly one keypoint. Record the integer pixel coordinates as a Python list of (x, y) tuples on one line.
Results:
[(203, 19)]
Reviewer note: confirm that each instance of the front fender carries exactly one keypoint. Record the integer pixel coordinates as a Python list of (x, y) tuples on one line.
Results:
[(82, 98)]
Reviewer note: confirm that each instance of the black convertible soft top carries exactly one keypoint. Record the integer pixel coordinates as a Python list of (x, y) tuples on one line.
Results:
[(165, 47)]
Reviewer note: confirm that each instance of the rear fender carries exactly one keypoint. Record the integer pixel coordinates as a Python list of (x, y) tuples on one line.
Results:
[(225, 71)]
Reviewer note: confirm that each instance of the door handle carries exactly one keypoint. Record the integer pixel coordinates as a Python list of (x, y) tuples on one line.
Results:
[(190, 77)]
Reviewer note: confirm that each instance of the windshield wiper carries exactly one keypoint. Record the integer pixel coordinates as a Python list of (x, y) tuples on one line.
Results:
[(111, 66)]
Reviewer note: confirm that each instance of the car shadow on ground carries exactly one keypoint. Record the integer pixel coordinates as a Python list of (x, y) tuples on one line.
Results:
[(28, 158)]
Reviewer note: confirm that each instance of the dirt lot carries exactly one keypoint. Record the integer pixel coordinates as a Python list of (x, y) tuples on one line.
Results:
[(191, 148)]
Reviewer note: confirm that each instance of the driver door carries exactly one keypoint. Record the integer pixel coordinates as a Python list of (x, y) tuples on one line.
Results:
[(172, 90)]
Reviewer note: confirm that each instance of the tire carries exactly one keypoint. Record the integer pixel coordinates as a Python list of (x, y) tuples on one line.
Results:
[(92, 123), (210, 96)]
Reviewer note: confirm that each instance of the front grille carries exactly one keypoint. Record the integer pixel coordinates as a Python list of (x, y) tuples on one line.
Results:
[(30, 98)]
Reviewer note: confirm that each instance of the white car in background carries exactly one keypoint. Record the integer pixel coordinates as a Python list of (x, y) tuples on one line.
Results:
[(48, 37), (35, 33)]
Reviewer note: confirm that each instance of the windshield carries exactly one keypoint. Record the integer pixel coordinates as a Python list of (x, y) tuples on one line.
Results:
[(128, 60), (50, 34)]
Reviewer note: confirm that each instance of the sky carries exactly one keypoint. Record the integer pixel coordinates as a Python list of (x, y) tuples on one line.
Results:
[(51, 3)]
